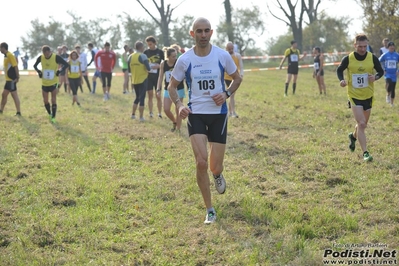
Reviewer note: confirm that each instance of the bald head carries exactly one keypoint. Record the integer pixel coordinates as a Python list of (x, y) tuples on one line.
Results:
[(200, 21), (202, 33), (230, 47)]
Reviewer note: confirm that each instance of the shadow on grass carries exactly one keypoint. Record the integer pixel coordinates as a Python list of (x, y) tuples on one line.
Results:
[(30, 127), (75, 133)]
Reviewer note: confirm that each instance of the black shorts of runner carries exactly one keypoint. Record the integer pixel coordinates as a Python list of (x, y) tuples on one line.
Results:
[(106, 79), (10, 86), (62, 73), (293, 69), (391, 87), (214, 126), (74, 84), (124, 70), (49, 88), (152, 82), (228, 82), (366, 104), (321, 72)]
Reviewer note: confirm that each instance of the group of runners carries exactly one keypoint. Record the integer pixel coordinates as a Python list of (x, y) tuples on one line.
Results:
[(213, 75)]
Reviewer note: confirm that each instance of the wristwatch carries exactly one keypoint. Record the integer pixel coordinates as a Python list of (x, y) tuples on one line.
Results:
[(228, 93)]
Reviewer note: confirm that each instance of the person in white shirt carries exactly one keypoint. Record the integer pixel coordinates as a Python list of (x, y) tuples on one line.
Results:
[(203, 66), (384, 49)]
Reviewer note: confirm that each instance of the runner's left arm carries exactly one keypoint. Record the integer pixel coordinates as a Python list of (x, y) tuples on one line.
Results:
[(59, 60)]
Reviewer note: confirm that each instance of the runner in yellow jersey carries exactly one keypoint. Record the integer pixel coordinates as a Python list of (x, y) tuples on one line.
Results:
[(75, 76), (11, 72), (227, 79), (360, 66), (49, 75), (293, 56), (138, 66)]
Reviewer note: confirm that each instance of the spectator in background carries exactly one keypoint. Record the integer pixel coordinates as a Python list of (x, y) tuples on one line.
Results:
[(165, 70), (105, 61), (83, 67), (177, 48), (16, 54), (25, 60), (236, 48), (318, 73), (293, 55), (227, 79), (155, 56), (125, 71), (384, 49), (63, 79), (93, 52)]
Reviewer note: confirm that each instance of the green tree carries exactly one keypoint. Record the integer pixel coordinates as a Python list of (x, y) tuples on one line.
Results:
[(137, 29), (51, 34), (247, 24), (98, 31), (294, 16), (180, 31), (56, 33), (331, 34), (165, 19), (278, 45), (381, 20)]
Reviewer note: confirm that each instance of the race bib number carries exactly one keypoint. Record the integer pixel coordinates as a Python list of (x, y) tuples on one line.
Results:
[(294, 58), (360, 81), (168, 75), (316, 65), (391, 64), (153, 70), (204, 85), (48, 74), (74, 69)]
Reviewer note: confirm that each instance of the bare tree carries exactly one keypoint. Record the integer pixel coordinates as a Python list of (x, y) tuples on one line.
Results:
[(229, 23), (166, 17), (381, 20), (294, 20)]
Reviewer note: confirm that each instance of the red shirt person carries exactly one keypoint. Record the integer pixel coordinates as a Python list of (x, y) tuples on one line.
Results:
[(105, 61)]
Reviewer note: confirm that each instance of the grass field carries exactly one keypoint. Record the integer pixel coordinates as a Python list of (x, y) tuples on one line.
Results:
[(98, 188)]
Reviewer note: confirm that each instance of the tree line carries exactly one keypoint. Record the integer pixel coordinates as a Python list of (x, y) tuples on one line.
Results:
[(243, 26)]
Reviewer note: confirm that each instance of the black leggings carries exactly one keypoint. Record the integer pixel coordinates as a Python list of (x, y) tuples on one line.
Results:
[(140, 90), (74, 83), (106, 79), (391, 87)]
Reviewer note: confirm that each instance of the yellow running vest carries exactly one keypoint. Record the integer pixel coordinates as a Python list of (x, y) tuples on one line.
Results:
[(236, 61), (138, 70), (359, 86), (49, 68), (74, 69)]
